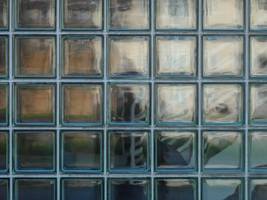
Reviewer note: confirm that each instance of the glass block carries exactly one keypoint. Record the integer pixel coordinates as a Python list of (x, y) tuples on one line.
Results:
[(128, 151), (176, 104), (129, 14), (171, 189), (258, 14), (258, 189), (129, 103), (83, 14), (223, 56), (128, 56), (176, 14), (176, 56), (227, 14), (3, 56), (222, 189), (35, 104), (82, 57), (4, 189), (129, 189), (3, 104), (258, 103), (3, 152), (35, 56), (223, 104), (32, 189), (258, 56), (4, 13), (35, 151), (81, 150), (175, 150), (222, 150), (82, 189), (35, 14)]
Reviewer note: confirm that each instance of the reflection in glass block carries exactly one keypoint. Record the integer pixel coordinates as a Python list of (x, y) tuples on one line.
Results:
[(226, 14), (258, 189), (222, 103), (222, 150), (82, 189), (82, 13), (3, 104), (81, 150), (129, 56), (36, 13), (35, 151), (35, 56), (4, 193), (223, 56), (258, 56), (128, 150), (222, 189), (82, 56), (82, 103), (35, 103), (33, 189), (176, 14), (176, 55), (3, 55), (129, 189), (3, 13), (172, 189), (3, 152), (176, 150), (258, 14), (129, 14), (176, 103), (129, 103)]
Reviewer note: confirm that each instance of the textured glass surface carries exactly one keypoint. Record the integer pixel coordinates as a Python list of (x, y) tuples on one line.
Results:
[(3, 56), (258, 189), (4, 193), (3, 152), (3, 104), (3, 13), (258, 15)]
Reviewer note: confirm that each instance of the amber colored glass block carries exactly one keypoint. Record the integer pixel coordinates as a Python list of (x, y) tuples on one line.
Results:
[(3, 104), (3, 56), (3, 151), (3, 13)]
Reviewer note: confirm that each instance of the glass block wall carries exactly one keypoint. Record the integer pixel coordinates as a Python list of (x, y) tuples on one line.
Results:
[(133, 99)]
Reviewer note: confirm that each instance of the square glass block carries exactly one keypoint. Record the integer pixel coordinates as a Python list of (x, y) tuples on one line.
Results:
[(258, 189), (82, 56), (222, 150), (35, 56), (176, 104), (3, 55), (128, 151), (222, 104), (129, 104), (82, 189), (35, 14), (222, 189), (226, 14), (258, 14), (35, 104), (128, 56), (222, 56), (33, 189), (82, 14), (4, 189), (175, 150), (4, 14), (129, 14), (3, 152), (129, 189), (34, 151), (176, 14), (176, 56), (81, 151), (176, 189), (258, 104), (3, 105)]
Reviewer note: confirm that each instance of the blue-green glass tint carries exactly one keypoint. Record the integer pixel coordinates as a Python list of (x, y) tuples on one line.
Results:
[(3, 151), (258, 189), (4, 186)]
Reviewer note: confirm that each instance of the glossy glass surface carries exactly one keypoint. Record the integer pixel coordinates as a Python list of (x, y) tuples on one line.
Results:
[(3, 13), (4, 193), (258, 14), (3, 56), (3, 104), (258, 189), (3, 151)]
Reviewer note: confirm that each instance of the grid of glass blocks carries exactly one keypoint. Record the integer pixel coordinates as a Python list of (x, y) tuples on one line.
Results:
[(133, 99)]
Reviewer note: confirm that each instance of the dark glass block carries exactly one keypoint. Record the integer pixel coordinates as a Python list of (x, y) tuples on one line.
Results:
[(35, 14), (129, 56), (33, 189), (3, 104), (35, 56), (82, 56), (222, 150), (35, 151), (82, 189), (4, 189), (83, 14), (258, 189), (129, 103), (129, 14), (258, 14), (3, 13), (129, 189), (3, 151), (3, 56), (176, 189), (35, 104), (82, 103), (175, 150), (82, 150), (222, 189), (128, 150)]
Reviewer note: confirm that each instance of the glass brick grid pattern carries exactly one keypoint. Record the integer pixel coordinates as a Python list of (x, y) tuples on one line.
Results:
[(197, 85)]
